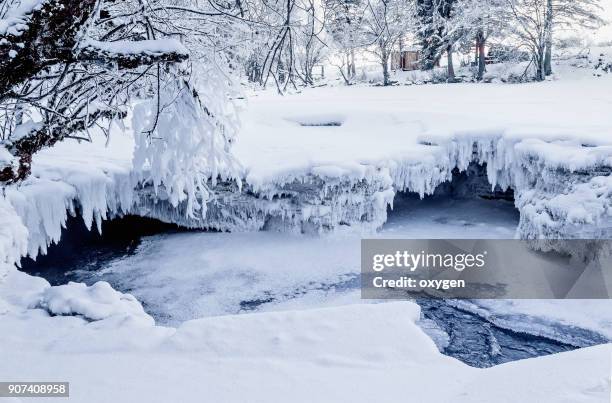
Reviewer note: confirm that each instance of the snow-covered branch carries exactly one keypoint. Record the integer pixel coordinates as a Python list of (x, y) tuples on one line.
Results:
[(56, 74), (33, 137), (37, 35), (132, 54)]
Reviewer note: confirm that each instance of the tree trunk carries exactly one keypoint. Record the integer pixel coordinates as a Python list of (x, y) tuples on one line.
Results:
[(353, 71), (548, 60), (549, 38), (540, 64), (347, 81), (451, 68), (481, 59), (348, 67), (385, 66)]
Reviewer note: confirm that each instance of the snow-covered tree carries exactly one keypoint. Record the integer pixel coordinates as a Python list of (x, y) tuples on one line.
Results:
[(569, 15), (273, 40), (310, 47), (433, 17), (69, 67), (535, 21), (385, 22), (344, 23), (58, 80), (475, 22)]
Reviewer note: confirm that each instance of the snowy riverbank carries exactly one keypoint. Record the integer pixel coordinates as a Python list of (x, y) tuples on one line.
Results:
[(300, 175), (359, 353)]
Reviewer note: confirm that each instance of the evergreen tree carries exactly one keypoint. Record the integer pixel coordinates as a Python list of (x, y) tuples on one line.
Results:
[(433, 18)]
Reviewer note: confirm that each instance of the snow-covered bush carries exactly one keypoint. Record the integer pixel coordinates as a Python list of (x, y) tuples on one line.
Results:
[(510, 72)]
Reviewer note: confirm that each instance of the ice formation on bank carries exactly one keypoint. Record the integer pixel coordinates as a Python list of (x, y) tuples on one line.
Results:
[(560, 198), (13, 237), (72, 178), (549, 142), (562, 187)]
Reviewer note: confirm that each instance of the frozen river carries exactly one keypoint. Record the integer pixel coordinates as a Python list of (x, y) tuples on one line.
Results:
[(185, 275)]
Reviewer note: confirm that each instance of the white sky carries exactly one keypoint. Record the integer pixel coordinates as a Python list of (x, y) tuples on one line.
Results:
[(605, 33)]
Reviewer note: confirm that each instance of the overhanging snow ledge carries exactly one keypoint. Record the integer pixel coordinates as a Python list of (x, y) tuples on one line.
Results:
[(562, 190)]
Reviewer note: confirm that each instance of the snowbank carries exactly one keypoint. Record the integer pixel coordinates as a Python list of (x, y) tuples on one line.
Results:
[(21, 292), (331, 157), (358, 353), (96, 302)]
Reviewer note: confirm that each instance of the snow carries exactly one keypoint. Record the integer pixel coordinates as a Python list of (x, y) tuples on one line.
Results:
[(390, 124), (590, 203), (15, 21), (6, 158), (355, 353), (150, 47), (342, 161), (88, 176), (95, 302), (25, 129), (419, 134), (13, 237)]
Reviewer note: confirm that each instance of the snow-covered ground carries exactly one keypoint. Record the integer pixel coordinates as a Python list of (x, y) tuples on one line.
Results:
[(342, 159), (389, 126), (353, 353)]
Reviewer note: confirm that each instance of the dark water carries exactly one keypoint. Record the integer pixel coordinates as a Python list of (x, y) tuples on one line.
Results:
[(482, 343), (81, 249), (475, 340)]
